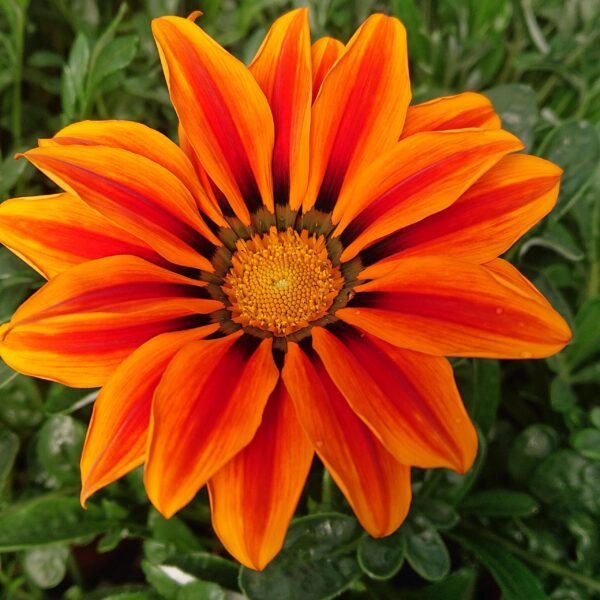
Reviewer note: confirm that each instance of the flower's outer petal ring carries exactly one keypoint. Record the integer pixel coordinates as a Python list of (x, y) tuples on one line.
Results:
[(446, 307), (408, 399), (422, 175), (451, 112), (136, 194), (483, 223), (223, 111), (324, 53), (84, 322), (207, 407), (375, 484), (253, 497), (139, 139), (360, 110), (52, 233), (116, 438), (282, 68)]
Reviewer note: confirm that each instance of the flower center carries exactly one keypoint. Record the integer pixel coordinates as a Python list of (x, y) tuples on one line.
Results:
[(281, 281)]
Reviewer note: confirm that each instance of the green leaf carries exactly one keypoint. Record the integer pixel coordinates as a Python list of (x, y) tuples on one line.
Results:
[(20, 403), (64, 400), (516, 581), (426, 552), (586, 341), (529, 449), (9, 446), (115, 56), (46, 567), (517, 106), (487, 393), (207, 566), (500, 503), (568, 481), (165, 579), (47, 520), (59, 446), (201, 590), (382, 558), (556, 238), (173, 531), (575, 147), (457, 586), (562, 397), (587, 443), (317, 561), (439, 513)]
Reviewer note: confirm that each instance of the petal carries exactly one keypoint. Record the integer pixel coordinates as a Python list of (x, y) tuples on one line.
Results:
[(116, 438), (207, 407), (324, 54), (136, 194), (139, 139), (83, 323), (374, 483), (483, 223), (409, 400), (55, 232), (223, 111), (422, 175), (218, 203), (360, 110), (443, 306), (282, 68), (254, 496), (451, 112)]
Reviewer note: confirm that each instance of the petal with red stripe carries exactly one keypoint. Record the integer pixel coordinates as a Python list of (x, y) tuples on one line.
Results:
[(360, 110), (282, 67), (223, 111), (324, 53), (374, 483), (422, 175), (136, 194), (116, 438), (207, 407), (443, 306), (254, 496), (483, 223), (451, 112), (408, 399), (55, 232), (139, 139), (83, 323)]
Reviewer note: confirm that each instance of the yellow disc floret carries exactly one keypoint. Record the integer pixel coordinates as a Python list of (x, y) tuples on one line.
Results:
[(281, 281)]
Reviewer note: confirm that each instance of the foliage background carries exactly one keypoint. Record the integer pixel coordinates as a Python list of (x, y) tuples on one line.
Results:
[(522, 524)]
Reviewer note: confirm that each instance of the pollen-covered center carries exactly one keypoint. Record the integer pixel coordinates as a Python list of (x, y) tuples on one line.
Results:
[(281, 281)]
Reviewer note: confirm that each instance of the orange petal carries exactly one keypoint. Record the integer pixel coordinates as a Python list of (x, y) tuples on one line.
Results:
[(443, 306), (324, 54), (139, 139), (422, 175), (207, 407), (135, 193), (253, 497), (282, 68), (52, 233), (84, 322), (360, 110), (218, 203), (409, 400), (451, 112), (483, 223), (374, 483), (116, 438), (223, 111)]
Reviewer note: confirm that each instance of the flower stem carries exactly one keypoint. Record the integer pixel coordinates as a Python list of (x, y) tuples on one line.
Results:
[(18, 41)]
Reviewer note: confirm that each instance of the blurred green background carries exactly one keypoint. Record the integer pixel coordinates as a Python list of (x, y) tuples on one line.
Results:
[(523, 524)]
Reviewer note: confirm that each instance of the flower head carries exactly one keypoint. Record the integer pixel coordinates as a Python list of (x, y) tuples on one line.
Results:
[(287, 280)]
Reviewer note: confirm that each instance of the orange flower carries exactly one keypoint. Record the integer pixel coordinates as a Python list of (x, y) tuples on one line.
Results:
[(286, 281)]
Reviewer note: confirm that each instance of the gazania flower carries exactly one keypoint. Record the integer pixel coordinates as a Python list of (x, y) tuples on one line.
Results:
[(287, 280)]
